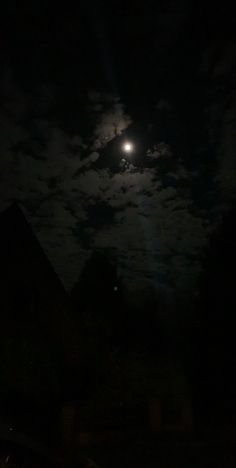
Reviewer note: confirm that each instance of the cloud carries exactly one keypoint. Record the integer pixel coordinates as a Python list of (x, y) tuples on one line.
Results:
[(161, 150), (111, 123), (151, 225), (76, 204), (52, 175)]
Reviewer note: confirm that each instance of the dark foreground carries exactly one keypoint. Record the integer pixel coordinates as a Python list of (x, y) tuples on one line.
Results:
[(137, 449), (142, 451)]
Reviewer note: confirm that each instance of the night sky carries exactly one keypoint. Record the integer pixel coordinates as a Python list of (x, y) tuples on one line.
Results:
[(75, 85)]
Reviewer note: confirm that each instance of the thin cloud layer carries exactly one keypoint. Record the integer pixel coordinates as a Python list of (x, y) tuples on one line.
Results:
[(144, 214)]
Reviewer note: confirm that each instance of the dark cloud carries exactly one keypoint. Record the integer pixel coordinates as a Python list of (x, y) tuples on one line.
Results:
[(100, 214), (76, 204)]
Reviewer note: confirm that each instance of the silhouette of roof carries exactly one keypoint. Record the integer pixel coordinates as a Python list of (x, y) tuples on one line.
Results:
[(22, 254)]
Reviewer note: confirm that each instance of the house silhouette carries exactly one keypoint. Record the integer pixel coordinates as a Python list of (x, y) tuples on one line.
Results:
[(36, 339)]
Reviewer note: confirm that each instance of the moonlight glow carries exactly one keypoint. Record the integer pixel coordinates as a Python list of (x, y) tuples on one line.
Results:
[(128, 147)]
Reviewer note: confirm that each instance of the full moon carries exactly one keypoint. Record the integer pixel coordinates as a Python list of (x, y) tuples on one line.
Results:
[(128, 147)]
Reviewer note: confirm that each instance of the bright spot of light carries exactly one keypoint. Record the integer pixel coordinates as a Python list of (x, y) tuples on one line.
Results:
[(128, 147)]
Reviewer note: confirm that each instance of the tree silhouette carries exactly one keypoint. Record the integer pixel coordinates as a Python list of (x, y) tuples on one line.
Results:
[(97, 300), (98, 285)]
